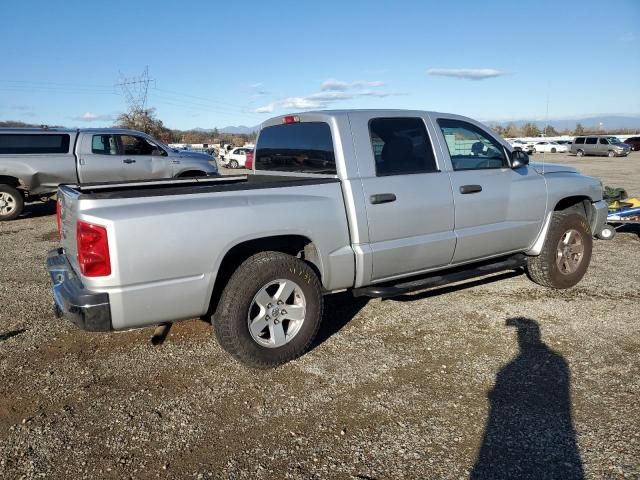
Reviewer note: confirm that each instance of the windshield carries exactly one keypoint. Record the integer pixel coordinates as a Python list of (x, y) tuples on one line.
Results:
[(614, 140)]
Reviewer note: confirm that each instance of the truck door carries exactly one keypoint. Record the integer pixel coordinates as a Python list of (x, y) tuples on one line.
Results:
[(408, 198), (139, 160), (98, 158), (498, 209)]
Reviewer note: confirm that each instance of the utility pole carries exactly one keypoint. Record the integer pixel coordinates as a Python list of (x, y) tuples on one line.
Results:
[(136, 89)]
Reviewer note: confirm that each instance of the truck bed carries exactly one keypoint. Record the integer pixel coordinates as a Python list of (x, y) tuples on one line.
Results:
[(187, 186)]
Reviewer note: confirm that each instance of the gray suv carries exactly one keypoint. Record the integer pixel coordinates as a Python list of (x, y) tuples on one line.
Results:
[(600, 145)]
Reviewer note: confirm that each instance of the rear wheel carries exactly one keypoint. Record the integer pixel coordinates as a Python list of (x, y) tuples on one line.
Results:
[(11, 203), (270, 311), (580, 153), (553, 150), (566, 252), (233, 164)]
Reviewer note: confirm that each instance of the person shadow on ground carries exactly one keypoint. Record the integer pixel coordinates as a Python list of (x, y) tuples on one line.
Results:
[(530, 433)]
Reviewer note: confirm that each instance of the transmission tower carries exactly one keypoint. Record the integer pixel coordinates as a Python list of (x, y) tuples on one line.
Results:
[(135, 89)]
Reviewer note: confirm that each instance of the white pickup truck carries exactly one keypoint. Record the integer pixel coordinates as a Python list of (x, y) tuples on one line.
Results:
[(375, 202)]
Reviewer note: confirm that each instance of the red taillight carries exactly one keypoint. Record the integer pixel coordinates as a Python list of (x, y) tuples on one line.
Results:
[(290, 119), (58, 219), (93, 250), (248, 163)]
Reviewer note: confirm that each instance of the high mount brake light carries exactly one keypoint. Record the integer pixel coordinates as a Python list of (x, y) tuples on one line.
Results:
[(93, 250), (290, 119)]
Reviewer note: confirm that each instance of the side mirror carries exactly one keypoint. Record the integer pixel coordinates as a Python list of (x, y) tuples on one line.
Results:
[(519, 159), (158, 152)]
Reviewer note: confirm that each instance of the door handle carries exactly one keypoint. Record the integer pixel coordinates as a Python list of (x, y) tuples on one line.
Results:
[(128, 160), (382, 198), (465, 189)]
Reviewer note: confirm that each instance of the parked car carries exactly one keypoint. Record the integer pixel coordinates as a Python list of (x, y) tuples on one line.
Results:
[(599, 145), (34, 161), (518, 144), (633, 142), (236, 158), (353, 200), (550, 147)]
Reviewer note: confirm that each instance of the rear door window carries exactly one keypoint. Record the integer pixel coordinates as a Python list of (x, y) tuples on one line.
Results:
[(401, 146), (603, 141), (33, 143), (104, 145), (305, 147), (591, 140)]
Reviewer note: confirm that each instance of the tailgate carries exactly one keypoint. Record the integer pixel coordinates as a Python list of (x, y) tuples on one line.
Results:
[(68, 205)]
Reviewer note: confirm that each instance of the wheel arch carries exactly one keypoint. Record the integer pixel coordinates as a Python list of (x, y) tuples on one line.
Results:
[(295, 245), (11, 181), (191, 173)]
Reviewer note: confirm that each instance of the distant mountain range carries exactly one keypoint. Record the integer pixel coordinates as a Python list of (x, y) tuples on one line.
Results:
[(609, 122), (230, 129)]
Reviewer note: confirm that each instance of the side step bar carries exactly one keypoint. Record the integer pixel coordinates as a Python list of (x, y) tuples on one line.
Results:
[(438, 279)]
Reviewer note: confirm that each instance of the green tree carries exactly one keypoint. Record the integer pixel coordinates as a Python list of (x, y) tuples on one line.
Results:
[(549, 131), (530, 130), (579, 129)]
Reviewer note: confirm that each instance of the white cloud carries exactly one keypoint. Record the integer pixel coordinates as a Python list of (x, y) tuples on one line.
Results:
[(467, 73), (339, 85), (266, 109), (94, 117), (300, 102)]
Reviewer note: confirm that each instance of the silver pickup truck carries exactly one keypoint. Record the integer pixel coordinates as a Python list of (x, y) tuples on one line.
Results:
[(375, 202), (34, 161)]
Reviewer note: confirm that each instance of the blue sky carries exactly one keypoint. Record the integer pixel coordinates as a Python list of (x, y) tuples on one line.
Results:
[(241, 62)]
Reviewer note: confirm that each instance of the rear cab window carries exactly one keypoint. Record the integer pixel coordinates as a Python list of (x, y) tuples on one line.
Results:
[(34, 144), (301, 147)]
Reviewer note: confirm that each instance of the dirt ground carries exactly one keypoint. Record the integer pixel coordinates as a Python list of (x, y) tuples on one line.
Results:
[(496, 378)]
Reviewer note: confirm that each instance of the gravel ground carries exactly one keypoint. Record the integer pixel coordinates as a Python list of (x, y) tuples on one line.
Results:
[(497, 378)]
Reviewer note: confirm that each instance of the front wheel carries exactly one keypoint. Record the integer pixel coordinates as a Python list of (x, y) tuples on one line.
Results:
[(270, 311), (11, 203), (566, 252), (611, 154), (553, 150), (233, 164)]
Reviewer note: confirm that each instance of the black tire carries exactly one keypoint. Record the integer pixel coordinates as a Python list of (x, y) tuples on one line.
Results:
[(580, 153), (11, 203), (231, 325), (533, 151), (553, 150), (543, 269), (607, 233), (611, 154), (233, 164)]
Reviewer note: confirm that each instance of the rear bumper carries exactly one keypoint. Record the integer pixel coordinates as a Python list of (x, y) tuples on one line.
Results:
[(88, 310), (599, 218)]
